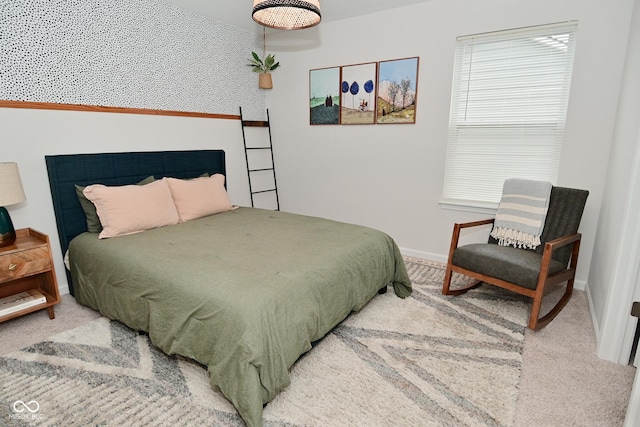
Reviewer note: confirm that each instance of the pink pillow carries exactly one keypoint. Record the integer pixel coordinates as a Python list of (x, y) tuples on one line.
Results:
[(198, 197), (130, 209)]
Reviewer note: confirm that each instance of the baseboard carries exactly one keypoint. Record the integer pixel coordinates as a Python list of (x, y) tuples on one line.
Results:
[(63, 288), (424, 255), (592, 311)]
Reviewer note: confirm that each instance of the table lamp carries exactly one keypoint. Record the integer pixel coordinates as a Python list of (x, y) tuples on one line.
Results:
[(11, 192)]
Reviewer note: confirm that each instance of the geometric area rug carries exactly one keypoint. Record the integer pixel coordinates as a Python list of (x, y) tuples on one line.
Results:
[(427, 360)]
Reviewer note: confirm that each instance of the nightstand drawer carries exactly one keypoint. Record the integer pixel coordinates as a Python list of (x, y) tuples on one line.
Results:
[(24, 263)]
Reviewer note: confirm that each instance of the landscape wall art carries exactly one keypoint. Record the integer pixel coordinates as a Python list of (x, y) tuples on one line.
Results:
[(397, 90), (324, 96), (384, 92), (358, 94)]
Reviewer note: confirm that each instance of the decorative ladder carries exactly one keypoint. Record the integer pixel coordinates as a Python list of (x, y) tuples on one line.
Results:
[(252, 171)]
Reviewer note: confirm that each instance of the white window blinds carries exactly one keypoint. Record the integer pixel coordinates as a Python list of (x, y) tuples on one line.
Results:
[(508, 108)]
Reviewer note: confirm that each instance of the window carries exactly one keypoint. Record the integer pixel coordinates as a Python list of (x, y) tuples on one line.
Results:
[(508, 108)]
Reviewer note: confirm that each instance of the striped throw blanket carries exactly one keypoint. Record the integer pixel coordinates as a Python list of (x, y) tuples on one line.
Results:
[(521, 213)]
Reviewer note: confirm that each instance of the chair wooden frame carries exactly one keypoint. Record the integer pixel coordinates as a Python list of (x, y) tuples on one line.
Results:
[(545, 280)]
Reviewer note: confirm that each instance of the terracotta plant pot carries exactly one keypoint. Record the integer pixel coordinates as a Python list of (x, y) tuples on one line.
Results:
[(264, 81)]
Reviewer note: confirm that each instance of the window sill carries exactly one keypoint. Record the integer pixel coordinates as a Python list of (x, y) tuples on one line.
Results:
[(469, 206)]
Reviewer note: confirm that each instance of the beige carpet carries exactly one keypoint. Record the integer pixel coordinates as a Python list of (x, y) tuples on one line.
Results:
[(561, 382)]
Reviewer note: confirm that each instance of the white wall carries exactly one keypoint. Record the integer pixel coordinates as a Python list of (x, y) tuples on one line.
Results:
[(614, 274), (390, 176)]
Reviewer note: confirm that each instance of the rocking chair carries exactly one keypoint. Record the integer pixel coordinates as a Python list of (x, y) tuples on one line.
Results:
[(526, 271)]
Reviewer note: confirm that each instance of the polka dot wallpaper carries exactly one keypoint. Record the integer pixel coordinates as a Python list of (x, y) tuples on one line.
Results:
[(125, 53)]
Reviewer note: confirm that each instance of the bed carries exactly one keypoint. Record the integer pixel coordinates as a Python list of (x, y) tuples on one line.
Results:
[(244, 292)]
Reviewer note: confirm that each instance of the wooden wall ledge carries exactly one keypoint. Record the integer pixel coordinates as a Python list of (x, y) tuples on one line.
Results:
[(101, 109)]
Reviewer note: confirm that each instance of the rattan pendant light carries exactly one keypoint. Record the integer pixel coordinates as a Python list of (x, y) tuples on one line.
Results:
[(287, 14)]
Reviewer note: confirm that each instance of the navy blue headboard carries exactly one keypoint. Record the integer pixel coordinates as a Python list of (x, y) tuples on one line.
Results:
[(67, 170)]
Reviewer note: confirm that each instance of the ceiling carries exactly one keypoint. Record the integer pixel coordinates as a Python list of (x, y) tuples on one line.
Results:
[(238, 12)]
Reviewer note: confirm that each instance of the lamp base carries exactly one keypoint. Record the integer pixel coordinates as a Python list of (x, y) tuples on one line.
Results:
[(7, 232)]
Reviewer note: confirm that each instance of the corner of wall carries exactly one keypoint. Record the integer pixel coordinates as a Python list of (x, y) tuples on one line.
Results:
[(592, 311)]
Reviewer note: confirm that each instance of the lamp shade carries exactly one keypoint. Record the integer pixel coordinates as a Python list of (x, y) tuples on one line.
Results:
[(11, 191), (287, 14)]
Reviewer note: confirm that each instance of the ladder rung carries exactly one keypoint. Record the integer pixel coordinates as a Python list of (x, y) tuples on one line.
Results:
[(255, 123), (263, 191), (258, 148), (260, 170)]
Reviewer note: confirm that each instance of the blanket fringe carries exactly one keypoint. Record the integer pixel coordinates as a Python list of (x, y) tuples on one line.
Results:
[(510, 237)]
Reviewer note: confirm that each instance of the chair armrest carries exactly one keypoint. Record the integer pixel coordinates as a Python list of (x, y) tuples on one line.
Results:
[(474, 223), (552, 245), (459, 226), (562, 241)]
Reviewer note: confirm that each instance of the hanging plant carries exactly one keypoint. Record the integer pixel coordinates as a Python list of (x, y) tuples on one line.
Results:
[(264, 67)]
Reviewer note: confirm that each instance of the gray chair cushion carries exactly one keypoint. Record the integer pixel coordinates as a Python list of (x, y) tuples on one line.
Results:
[(519, 266)]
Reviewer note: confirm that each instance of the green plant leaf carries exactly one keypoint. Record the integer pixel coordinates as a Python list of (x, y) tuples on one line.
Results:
[(260, 66), (268, 62)]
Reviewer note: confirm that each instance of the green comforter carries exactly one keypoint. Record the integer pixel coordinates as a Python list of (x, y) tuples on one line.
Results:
[(243, 292)]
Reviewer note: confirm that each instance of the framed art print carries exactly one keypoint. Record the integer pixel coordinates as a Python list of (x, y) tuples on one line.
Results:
[(357, 89), (324, 96), (397, 90)]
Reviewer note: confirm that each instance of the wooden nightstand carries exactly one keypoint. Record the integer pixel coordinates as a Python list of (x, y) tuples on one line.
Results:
[(27, 265)]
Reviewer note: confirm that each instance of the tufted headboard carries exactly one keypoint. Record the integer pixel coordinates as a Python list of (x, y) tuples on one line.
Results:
[(67, 170)]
